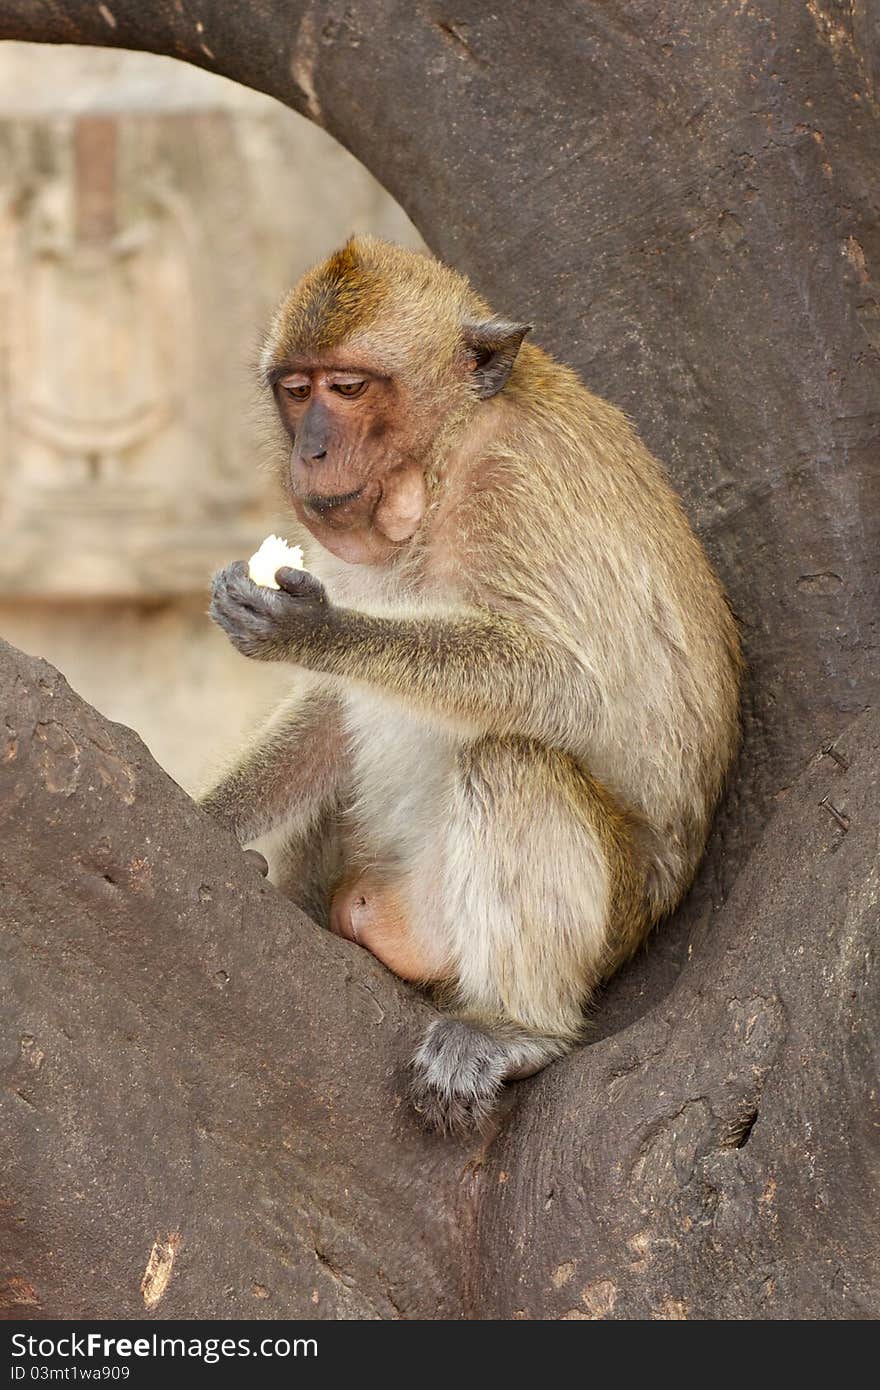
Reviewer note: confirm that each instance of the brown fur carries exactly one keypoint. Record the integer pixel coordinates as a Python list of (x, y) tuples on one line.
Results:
[(328, 306), (538, 685)]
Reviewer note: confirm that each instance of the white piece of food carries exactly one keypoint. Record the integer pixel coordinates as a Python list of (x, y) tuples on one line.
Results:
[(272, 556)]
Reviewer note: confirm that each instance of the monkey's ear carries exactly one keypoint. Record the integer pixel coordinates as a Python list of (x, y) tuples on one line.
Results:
[(492, 346)]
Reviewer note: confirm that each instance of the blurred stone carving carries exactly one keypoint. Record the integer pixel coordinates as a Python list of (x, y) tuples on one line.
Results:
[(101, 368), (150, 216)]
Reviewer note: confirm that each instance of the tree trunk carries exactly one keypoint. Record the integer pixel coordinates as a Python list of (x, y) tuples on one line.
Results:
[(685, 205)]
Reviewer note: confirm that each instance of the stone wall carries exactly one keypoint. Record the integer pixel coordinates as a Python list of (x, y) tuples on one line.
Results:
[(150, 216)]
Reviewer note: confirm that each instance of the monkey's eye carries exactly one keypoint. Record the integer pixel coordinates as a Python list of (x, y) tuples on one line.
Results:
[(300, 392), (350, 389)]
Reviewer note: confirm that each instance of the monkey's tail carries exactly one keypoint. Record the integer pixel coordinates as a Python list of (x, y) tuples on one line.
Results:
[(460, 1066)]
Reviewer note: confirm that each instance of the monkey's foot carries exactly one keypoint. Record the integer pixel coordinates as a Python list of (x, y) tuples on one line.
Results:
[(257, 861), (457, 1074)]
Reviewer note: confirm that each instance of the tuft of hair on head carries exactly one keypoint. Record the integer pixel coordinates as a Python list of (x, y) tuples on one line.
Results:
[(403, 307), (327, 305)]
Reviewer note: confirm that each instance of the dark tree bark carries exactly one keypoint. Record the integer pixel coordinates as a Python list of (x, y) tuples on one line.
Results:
[(684, 202)]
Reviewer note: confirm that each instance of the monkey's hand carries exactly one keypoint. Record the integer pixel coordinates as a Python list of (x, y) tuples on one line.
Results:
[(269, 624)]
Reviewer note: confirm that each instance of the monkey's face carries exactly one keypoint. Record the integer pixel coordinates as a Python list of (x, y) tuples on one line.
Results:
[(378, 359), (355, 473)]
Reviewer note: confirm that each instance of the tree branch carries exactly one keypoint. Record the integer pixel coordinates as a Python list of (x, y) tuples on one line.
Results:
[(190, 1063), (704, 250), (185, 1053)]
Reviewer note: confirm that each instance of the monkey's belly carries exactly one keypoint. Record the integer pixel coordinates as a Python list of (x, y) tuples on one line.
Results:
[(403, 772), (374, 914)]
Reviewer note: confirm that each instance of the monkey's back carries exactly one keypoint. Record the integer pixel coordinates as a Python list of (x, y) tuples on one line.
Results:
[(581, 536), (565, 522)]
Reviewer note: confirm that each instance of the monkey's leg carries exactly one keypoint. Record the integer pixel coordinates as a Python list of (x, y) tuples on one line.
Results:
[(311, 862), (290, 772), (540, 898)]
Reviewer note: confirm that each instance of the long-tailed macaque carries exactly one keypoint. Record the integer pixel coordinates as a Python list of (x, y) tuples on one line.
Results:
[(517, 675)]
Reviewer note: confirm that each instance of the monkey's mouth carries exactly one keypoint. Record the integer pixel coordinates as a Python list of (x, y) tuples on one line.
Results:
[(335, 508), (345, 522)]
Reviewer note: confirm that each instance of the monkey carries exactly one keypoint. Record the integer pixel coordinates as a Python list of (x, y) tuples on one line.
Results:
[(515, 674)]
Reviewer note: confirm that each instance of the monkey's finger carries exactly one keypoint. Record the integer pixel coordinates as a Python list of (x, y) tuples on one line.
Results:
[(300, 584), (238, 580), (233, 584), (234, 572), (231, 612)]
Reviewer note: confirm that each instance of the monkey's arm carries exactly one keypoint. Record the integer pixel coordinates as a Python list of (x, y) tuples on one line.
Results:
[(288, 773), (482, 666)]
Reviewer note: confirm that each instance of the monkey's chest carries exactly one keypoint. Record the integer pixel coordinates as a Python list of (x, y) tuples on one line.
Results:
[(402, 778)]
